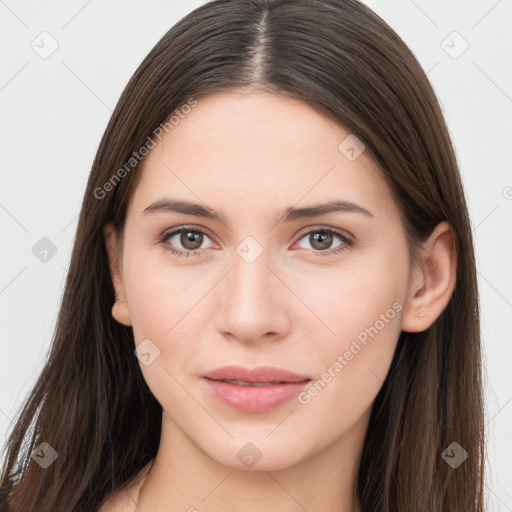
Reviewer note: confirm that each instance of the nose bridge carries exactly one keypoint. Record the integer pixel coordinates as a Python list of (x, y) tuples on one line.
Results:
[(251, 281), (252, 303)]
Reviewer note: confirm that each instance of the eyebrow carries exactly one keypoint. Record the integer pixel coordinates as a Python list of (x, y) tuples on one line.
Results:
[(289, 214)]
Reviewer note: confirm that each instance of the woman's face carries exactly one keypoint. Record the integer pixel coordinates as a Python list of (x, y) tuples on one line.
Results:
[(265, 283)]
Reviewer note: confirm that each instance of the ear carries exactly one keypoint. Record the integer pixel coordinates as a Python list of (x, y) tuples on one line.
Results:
[(113, 244), (434, 280)]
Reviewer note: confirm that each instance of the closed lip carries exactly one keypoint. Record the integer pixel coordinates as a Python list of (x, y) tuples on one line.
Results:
[(259, 374)]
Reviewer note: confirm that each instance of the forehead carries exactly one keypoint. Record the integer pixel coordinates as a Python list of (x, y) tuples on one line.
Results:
[(238, 148)]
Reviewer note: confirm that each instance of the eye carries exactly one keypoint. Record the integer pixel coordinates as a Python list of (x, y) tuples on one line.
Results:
[(190, 240), (321, 241)]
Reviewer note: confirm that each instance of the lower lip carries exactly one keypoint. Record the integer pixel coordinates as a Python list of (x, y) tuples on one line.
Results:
[(254, 398)]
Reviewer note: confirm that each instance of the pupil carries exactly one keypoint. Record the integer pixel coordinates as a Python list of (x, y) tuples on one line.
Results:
[(191, 240), (322, 237)]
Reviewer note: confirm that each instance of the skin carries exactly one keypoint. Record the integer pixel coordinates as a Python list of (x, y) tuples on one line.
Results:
[(250, 155)]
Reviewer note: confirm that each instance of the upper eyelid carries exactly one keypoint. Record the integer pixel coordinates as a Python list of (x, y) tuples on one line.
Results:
[(174, 231), (337, 231)]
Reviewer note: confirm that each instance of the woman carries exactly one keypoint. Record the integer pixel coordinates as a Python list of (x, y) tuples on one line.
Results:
[(272, 300)]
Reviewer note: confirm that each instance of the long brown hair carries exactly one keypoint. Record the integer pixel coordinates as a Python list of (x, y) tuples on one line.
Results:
[(91, 403)]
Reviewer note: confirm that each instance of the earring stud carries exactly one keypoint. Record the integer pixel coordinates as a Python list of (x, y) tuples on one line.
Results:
[(420, 315)]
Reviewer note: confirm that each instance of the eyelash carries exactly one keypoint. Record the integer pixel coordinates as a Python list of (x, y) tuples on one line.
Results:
[(347, 242)]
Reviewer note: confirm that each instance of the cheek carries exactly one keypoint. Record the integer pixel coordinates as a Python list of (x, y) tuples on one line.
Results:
[(160, 294), (169, 306), (363, 306), (352, 365), (166, 307), (353, 295)]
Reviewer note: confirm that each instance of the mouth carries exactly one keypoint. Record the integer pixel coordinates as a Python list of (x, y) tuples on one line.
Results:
[(254, 390), (246, 383), (269, 375)]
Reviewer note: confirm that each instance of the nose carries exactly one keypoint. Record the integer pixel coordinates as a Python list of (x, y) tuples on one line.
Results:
[(254, 302)]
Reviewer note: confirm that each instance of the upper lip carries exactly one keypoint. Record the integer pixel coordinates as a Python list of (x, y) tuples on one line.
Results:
[(259, 374)]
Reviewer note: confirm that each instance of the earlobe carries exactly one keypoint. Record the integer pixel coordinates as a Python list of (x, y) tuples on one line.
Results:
[(120, 312), (434, 282), (120, 309)]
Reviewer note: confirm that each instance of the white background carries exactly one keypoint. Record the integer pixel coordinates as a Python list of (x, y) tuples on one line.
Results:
[(54, 112)]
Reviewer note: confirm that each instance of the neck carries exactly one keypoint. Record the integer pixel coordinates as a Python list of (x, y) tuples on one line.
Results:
[(183, 477)]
